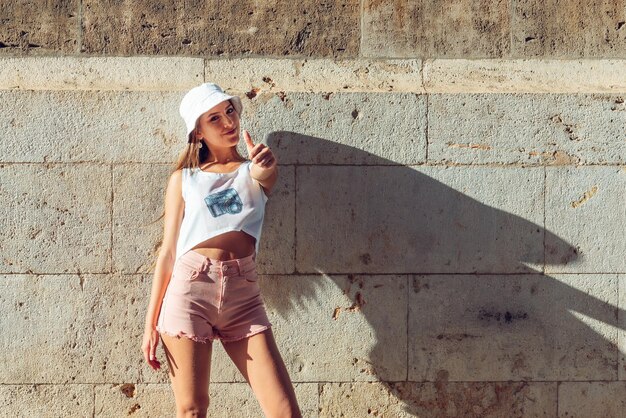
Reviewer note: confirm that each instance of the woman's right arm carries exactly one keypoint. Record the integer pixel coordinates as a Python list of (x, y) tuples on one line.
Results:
[(174, 210)]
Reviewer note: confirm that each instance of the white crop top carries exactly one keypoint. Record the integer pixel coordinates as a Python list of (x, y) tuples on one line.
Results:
[(216, 203)]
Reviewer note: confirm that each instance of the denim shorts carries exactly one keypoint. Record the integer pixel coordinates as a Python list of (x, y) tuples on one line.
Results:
[(209, 299)]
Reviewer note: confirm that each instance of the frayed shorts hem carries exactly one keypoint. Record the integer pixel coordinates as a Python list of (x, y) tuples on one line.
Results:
[(210, 339), (183, 334)]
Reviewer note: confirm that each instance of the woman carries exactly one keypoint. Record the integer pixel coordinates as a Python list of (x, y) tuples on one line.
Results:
[(205, 283)]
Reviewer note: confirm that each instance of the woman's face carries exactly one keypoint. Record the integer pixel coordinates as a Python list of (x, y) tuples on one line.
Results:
[(219, 126)]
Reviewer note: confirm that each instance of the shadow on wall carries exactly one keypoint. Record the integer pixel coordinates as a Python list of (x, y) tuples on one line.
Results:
[(448, 286)]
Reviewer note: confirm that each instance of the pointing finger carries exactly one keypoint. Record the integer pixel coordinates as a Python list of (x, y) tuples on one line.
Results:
[(248, 138)]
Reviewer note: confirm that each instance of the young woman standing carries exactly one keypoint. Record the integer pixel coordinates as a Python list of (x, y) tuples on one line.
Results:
[(205, 282)]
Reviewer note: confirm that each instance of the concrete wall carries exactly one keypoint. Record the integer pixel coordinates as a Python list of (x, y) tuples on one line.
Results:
[(446, 237)]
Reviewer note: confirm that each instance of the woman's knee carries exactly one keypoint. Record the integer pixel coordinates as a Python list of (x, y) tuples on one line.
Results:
[(196, 408)]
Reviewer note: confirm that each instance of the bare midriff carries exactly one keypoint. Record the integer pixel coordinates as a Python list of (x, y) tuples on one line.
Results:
[(227, 246)]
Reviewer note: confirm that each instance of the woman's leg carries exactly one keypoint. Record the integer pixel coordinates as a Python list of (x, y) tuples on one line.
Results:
[(259, 361), (189, 370)]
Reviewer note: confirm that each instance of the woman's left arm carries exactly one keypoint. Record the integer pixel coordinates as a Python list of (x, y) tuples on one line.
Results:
[(267, 183), (264, 167)]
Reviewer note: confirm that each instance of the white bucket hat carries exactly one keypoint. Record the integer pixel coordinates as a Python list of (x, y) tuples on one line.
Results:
[(201, 99)]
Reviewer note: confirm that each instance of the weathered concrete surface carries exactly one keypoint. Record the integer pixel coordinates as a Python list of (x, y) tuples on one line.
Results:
[(75, 328), (45, 318), (91, 126), (139, 199), (530, 129), (101, 73), (226, 400), (237, 75), (622, 328), (419, 219), (260, 75), (441, 398), (306, 28), (592, 399), (341, 128), (389, 128), (56, 217), (337, 328), (555, 28), (263, 75), (515, 327), (522, 28), (373, 29), (359, 400), (585, 207), (39, 28), (113, 323), (538, 75), (429, 29), (278, 239), (47, 401)]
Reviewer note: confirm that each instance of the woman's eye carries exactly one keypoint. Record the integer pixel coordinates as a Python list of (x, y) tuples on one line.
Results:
[(230, 110)]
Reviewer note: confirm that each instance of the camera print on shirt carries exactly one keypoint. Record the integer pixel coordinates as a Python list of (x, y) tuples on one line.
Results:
[(223, 202)]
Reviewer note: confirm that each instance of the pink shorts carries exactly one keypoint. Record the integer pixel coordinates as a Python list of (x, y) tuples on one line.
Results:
[(213, 299)]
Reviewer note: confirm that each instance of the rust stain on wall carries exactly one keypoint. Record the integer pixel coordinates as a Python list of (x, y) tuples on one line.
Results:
[(508, 317), (355, 307), (128, 389), (269, 81), (563, 158), (358, 303), (417, 285), (351, 280), (134, 409), (368, 368), (252, 93), (586, 196), (336, 312)]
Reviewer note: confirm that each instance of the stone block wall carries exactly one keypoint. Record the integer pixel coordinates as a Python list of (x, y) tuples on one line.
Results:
[(446, 237)]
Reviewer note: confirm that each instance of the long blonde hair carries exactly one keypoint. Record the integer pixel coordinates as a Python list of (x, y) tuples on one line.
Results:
[(190, 157)]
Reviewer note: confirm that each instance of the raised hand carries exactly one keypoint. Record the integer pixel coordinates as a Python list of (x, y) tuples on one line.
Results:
[(260, 154)]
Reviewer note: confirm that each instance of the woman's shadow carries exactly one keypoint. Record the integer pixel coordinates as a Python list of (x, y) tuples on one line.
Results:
[(426, 274)]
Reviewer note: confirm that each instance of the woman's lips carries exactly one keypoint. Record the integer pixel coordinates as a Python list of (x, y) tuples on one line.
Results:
[(231, 132)]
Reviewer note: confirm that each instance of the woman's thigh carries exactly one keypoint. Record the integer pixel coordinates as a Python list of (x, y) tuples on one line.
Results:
[(189, 369), (259, 361)]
